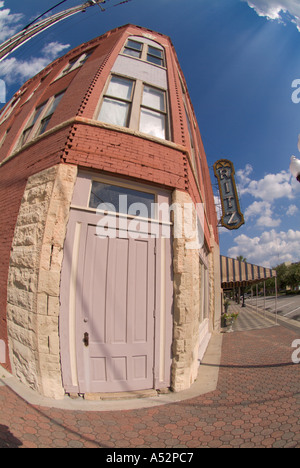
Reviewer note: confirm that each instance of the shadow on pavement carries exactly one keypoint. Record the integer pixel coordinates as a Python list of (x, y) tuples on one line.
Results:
[(7, 439)]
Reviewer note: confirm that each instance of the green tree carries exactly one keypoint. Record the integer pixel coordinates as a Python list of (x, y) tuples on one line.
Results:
[(240, 258), (293, 276), (282, 276)]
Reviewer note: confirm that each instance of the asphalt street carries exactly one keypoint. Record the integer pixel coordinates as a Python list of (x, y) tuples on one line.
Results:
[(287, 306)]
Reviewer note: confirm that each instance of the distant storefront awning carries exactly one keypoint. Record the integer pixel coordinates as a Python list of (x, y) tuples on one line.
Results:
[(235, 273)]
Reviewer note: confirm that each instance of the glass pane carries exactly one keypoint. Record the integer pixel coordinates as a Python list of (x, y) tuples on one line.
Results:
[(156, 52), (155, 60), (85, 57), (114, 112), (105, 193), (54, 104), (153, 123), (37, 114), (154, 98), (44, 125), (69, 66), (25, 136), (132, 53), (120, 88), (134, 45)]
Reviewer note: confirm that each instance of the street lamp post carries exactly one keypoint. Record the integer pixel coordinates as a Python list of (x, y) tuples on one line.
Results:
[(295, 167)]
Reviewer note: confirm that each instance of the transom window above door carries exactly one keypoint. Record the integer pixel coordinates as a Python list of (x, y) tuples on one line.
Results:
[(136, 105), (122, 199)]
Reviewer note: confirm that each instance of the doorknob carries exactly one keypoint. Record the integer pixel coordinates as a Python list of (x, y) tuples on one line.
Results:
[(86, 339)]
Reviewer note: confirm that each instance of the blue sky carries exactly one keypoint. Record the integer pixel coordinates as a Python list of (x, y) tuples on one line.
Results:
[(240, 58)]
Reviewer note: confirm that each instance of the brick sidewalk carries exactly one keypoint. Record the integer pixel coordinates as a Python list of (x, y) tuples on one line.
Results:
[(256, 404)]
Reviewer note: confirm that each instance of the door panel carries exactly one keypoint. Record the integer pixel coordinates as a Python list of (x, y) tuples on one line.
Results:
[(115, 305)]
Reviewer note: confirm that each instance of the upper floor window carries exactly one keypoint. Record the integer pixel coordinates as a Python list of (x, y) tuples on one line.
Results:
[(40, 119), (49, 113), (155, 55), (8, 109), (144, 51), (117, 101), (133, 48), (136, 105), (153, 112), (76, 62), (4, 137)]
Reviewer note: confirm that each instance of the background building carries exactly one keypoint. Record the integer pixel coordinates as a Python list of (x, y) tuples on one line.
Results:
[(88, 314)]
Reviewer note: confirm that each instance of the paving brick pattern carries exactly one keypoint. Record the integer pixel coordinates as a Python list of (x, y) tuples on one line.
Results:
[(256, 404)]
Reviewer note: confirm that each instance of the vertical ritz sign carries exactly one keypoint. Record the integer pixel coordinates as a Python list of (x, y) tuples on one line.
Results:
[(232, 217)]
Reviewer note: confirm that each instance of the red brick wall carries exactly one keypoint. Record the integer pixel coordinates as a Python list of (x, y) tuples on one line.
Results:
[(91, 146), (13, 178), (127, 155)]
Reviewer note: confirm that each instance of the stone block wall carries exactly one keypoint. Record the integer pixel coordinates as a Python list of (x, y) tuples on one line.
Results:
[(188, 278), (34, 279)]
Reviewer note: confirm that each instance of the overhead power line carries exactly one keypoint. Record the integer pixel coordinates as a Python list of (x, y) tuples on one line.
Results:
[(45, 13), (39, 25)]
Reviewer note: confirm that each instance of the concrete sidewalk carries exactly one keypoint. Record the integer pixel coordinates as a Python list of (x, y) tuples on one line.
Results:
[(247, 395)]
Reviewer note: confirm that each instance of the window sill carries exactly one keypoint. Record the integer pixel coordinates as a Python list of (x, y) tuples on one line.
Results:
[(130, 131), (35, 140), (144, 61)]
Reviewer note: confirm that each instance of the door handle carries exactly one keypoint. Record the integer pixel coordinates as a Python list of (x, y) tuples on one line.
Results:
[(86, 339)]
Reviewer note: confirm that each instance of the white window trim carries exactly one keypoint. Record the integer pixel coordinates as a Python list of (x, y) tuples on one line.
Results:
[(35, 128), (7, 111), (161, 196), (77, 64), (137, 105), (144, 52)]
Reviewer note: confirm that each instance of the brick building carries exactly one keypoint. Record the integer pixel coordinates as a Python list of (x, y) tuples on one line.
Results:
[(83, 312)]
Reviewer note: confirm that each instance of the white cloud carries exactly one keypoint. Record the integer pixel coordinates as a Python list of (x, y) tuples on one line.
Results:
[(270, 249), (264, 212), (15, 71), (275, 9), (9, 22), (292, 210), (269, 188)]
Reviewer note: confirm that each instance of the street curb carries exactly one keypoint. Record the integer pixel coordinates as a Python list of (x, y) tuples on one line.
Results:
[(206, 382)]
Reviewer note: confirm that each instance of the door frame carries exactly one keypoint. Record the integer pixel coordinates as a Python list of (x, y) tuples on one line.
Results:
[(163, 316)]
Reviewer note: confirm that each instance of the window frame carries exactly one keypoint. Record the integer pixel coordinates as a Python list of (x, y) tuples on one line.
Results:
[(49, 111), (76, 62), (3, 138), (123, 186), (145, 52), (134, 114), (155, 110), (34, 124), (128, 47), (106, 95)]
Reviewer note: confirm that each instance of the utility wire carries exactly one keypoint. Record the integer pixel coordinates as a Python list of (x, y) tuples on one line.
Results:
[(43, 14), (36, 27)]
